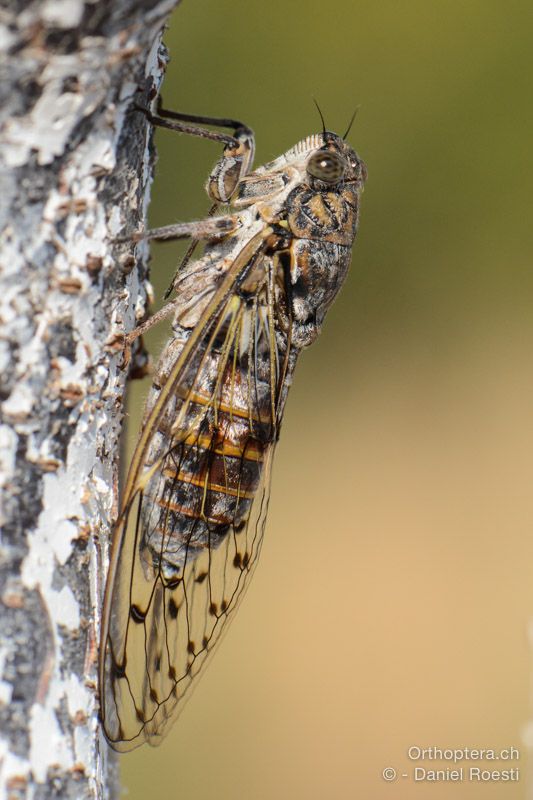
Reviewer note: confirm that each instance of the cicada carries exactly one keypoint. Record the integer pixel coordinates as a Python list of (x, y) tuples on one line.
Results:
[(195, 501)]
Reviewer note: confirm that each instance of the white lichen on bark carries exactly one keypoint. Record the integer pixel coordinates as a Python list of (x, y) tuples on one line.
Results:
[(75, 170)]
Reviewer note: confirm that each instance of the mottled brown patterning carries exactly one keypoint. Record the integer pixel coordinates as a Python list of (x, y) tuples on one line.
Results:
[(196, 496)]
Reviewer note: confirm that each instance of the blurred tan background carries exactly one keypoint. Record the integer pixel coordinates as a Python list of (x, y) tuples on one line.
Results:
[(395, 589)]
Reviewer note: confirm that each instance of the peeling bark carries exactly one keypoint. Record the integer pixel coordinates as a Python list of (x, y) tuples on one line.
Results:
[(76, 169)]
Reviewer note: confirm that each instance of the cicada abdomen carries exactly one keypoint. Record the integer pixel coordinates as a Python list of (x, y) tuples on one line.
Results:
[(196, 497)]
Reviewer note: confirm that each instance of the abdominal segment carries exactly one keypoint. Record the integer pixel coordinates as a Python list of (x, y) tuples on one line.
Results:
[(208, 453)]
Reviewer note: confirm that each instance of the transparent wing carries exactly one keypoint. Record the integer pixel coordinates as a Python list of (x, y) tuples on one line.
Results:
[(194, 509)]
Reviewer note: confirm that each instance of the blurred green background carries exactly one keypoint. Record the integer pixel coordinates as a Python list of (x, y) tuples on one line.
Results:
[(392, 603)]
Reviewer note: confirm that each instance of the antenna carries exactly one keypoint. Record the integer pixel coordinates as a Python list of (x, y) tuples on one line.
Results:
[(348, 129), (321, 116)]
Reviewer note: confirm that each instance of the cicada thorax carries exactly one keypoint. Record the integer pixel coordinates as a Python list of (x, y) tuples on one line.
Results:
[(323, 215), (322, 225)]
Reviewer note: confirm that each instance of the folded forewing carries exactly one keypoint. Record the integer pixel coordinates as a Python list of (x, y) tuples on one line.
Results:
[(194, 508)]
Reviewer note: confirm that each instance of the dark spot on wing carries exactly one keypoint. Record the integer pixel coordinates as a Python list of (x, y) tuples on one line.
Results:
[(137, 614), (119, 670), (172, 608)]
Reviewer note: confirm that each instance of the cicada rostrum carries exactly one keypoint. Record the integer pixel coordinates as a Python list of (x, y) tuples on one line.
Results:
[(196, 496)]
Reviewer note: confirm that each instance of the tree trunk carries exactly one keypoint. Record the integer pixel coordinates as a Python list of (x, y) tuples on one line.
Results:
[(76, 168)]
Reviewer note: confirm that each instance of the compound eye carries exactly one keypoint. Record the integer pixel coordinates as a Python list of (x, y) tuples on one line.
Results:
[(326, 166)]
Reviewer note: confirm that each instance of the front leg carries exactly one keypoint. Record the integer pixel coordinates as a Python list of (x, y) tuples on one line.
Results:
[(237, 158)]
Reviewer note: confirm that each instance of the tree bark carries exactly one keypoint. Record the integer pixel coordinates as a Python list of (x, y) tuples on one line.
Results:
[(76, 168)]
